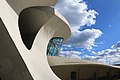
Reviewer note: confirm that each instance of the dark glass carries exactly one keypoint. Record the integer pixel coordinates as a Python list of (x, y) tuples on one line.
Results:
[(73, 76), (54, 46)]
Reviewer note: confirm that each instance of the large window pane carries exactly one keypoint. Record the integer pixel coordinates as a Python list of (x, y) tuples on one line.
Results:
[(54, 46)]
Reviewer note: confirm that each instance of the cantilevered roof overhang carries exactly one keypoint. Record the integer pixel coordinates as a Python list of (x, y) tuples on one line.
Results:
[(42, 23), (19, 5), (32, 19)]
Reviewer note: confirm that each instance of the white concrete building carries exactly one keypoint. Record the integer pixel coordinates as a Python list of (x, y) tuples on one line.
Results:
[(29, 31)]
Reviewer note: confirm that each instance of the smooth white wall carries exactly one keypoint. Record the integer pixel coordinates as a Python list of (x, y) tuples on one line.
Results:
[(36, 58)]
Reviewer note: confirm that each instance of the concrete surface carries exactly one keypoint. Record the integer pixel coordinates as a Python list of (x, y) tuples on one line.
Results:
[(34, 60)]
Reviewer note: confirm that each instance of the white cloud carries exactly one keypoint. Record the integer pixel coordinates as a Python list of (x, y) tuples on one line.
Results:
[(109, 55), (87, 57), (70, 54), (84, 39), (78, 14)]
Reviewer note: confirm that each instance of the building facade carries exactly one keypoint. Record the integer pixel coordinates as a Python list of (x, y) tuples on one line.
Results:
[(29, 31)]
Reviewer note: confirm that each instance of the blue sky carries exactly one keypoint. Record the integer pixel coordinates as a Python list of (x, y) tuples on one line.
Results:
[(95, 29), (107, 20)]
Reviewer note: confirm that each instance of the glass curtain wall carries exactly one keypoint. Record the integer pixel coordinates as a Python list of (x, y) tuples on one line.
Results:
[(54, 46)]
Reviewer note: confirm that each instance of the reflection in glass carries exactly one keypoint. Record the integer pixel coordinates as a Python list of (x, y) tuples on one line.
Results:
[(54, 46)]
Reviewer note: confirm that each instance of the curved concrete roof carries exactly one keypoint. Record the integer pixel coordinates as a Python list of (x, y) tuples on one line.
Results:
[(84, 69), (19, 5), (35, 59), (32, 19), (45, 23), (63, 31), (62, 61)]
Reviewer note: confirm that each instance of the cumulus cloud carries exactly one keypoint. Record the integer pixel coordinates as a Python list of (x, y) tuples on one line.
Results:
[(87, 57), (71, 54), (76, 12), (84, 39), (110, 56)]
